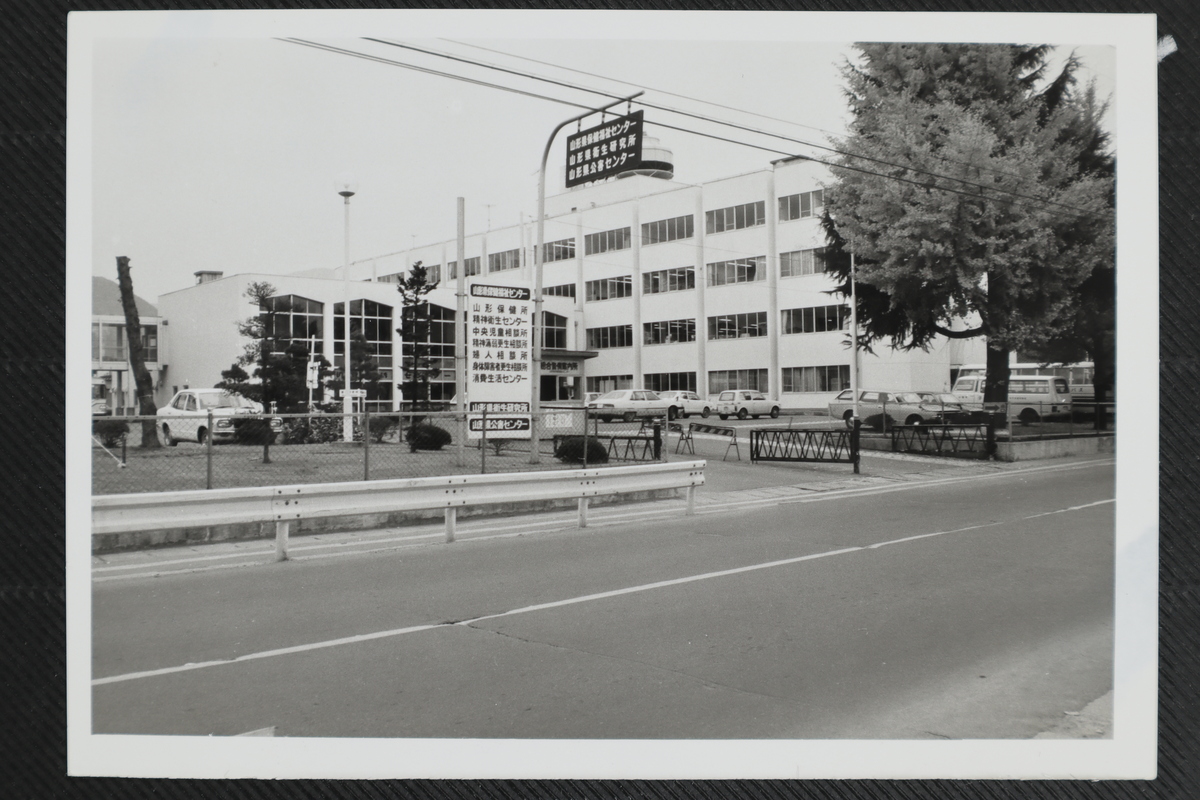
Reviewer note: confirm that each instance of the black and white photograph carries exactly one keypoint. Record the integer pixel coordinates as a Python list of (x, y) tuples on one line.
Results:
[(582, 394)]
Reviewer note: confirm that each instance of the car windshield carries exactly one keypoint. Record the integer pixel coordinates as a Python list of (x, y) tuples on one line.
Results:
[(941, 397), (907, 397), (617, 395), (223, 400)]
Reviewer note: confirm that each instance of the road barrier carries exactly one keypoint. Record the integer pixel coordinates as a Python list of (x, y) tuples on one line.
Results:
[(788, 444), (685, 437), (126, 513), (973, 441)]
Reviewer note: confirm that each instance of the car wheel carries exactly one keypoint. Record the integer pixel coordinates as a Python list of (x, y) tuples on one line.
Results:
[(672, 413), (775, 412), (706, 413), (742, 413), (913, 420), (629, 416), (168, 438), (1028, 416), (202, 435), (724, 416), (606, 419), (849, 418)]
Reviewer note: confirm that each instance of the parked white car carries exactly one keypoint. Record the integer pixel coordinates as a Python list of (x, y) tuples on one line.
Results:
[(742, 403), (628, 404), (684, 404), (186, 416), (907, 408)]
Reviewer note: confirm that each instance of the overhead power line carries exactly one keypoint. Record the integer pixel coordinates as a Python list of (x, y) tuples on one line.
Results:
[(716, 121), (785, 153)]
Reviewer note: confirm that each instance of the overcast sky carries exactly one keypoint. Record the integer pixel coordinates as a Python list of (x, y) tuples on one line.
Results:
[(216, 152)]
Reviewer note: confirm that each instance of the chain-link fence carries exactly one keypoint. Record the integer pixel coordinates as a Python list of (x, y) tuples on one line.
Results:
[(203, 452)]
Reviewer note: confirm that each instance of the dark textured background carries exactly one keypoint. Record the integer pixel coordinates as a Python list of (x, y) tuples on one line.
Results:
[(32, 597)]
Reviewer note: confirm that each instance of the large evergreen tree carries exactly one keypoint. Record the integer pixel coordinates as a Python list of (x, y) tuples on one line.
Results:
[(962, 192)]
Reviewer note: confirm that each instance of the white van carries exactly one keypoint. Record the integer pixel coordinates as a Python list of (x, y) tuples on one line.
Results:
[(1030, 397)]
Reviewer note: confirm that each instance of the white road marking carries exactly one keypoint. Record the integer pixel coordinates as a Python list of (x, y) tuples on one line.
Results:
[(366, 637), (559, 521)]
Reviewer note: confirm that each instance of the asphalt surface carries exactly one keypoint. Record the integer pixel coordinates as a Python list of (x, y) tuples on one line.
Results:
[(921, 599)]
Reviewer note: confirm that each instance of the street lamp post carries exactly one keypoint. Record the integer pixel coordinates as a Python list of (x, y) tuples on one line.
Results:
[(535, 399), (346, 187), (854, 333)]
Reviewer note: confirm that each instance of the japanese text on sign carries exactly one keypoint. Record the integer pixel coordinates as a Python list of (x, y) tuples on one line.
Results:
[(605, 150), (499, 356)]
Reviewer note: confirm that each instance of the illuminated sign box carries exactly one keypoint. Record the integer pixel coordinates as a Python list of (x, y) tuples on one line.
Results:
[(605, 150)]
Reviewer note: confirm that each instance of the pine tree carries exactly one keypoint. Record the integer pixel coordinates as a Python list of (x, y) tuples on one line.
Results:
[(417, 364)]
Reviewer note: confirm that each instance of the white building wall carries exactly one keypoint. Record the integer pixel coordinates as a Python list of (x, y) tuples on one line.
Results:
[(202, 337)]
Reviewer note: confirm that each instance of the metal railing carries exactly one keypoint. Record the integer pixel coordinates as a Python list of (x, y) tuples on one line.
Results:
[(973, 441), (284, 505), (308, 448), (840, 446)]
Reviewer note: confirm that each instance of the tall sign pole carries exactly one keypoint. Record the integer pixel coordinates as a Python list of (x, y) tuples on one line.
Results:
[(460, 337), (853, 333), (535, 404)]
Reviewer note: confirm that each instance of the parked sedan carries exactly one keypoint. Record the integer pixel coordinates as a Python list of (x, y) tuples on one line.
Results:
[(908, 408), (629, 404), (684, 404), (186, 416), (742, 403)]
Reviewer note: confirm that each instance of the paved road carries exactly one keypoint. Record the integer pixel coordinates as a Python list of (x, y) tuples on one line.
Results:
[(967, 603)]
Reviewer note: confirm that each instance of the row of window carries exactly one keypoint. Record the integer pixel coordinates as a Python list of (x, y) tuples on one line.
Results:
[(819, 319), (108, 342), (745, 215), (609, 288), (824, 378), (508, 259)]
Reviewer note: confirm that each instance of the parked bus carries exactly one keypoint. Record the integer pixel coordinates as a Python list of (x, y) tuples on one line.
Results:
[(1078, 375)]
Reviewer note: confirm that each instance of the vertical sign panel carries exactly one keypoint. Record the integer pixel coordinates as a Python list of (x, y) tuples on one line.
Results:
[(499, 358), (605, 150)]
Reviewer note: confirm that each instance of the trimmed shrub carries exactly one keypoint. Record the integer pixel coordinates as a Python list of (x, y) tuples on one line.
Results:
[(253, 430), (110, 431), (426, 436), (381, 425), (316, 429), (570, 450)]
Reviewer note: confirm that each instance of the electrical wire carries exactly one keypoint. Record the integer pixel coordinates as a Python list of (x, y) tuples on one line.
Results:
[(735, 125), (391, 62), (705, 102)]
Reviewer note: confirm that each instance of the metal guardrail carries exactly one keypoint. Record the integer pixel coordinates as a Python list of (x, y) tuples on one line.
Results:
[(978, 441), (793, 444), (284, 504)]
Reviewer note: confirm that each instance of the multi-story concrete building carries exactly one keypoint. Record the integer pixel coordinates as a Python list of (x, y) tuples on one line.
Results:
[(648, 282), (700, 287)]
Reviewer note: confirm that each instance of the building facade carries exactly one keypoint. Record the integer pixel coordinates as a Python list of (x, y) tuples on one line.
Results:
[(203, 323), (114, 389), (700, 287), (647, 282)]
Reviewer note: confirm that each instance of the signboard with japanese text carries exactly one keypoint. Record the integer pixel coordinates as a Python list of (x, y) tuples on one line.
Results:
[(499, 360), (605, 150), (559, 367)]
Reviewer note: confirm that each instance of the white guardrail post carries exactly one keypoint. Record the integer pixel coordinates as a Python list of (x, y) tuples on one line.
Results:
[(283, 505)]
